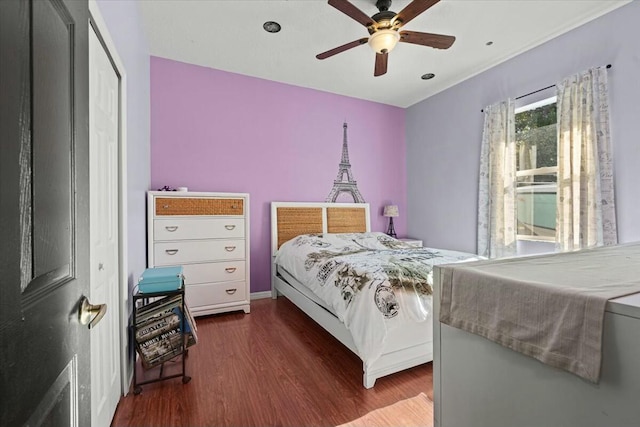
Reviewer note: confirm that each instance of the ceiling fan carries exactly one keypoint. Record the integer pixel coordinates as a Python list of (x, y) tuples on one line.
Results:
[(384, 29)]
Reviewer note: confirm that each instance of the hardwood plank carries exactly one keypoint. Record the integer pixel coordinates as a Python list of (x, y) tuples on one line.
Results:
[(273, 367)]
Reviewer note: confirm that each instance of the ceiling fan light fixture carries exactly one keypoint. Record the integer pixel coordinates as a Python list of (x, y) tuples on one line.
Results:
[(384, 40)]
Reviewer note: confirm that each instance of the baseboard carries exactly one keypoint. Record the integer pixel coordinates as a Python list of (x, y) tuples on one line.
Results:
[(260, 295)]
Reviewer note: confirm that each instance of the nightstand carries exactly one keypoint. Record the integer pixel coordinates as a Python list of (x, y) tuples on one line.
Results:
[(413, 242)]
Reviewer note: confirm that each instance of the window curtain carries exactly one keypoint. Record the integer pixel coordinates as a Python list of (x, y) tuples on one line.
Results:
[(585, 209), (497, 182)]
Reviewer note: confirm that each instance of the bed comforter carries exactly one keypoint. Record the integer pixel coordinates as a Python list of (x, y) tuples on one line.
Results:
[(372, 282)]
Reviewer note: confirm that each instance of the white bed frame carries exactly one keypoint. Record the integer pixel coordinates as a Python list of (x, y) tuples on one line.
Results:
[(415, 348)]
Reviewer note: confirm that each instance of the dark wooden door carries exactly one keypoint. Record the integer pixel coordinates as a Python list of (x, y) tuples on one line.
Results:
[(44, 213)]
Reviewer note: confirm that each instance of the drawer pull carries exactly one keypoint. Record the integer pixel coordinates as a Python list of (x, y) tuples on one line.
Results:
[(171, 251), (231, 291), (230, 248), (171, 228), (229, 227), (230, 269)]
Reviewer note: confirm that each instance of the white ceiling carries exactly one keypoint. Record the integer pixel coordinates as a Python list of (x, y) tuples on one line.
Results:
[(228, 35)]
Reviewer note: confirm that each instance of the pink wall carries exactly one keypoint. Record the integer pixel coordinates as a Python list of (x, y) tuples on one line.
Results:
[(217, 131)]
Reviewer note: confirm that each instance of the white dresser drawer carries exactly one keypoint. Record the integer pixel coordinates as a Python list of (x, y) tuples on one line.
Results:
[(194, 251), (215, 293), (214, 272), (204, 228)]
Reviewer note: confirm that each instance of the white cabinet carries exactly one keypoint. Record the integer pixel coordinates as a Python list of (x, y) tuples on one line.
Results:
[(479, 383), (207, 234)]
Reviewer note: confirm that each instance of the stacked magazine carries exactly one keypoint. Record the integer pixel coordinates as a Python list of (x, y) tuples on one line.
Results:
[(158, 330)]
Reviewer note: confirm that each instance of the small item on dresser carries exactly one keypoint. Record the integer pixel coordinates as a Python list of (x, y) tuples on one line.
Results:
[(167, 188), (183, 189), (160, 279)]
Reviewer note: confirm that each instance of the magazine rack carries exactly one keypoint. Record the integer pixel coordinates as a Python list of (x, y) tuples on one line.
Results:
[(161, 321)]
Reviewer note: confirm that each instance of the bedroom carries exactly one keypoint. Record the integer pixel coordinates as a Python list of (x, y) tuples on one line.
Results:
[(275, 140), (289, 117)]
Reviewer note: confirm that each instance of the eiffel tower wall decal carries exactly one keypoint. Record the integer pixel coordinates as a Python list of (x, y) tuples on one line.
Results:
[(344, 183)]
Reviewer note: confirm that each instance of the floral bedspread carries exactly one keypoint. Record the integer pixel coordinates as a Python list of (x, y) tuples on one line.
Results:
[(373, 283)]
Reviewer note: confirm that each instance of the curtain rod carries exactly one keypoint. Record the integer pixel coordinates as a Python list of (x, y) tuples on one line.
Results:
[(539, 90)]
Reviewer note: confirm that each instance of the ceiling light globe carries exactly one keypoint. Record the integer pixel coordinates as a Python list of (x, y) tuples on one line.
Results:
[(384, 40)]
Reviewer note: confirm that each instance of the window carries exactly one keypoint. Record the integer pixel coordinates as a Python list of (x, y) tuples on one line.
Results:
[(562, 191), (536, 170)]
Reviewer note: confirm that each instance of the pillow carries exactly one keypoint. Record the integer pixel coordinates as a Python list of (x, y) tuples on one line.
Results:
[(343, 242), (372, 240)]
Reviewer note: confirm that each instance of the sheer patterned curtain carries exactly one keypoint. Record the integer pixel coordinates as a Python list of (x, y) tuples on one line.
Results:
[(497, 183), (585, 209)]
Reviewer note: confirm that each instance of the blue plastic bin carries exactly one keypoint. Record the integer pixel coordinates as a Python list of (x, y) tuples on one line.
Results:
[(160, 279)]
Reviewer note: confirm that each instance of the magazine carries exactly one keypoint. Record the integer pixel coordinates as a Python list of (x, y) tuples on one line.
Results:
[(158, 330), (156, 326), (161, 348)]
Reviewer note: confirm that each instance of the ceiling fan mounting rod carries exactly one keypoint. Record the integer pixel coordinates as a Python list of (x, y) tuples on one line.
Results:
[(383, 5)]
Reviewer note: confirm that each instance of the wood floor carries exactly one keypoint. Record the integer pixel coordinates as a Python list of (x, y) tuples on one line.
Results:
[(273, 367)]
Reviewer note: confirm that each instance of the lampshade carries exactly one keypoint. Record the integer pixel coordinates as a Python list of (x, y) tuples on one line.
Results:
[(390, 210), (384, 40)]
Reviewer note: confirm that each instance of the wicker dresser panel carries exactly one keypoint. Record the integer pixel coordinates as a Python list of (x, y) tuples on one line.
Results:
[(198, 206)]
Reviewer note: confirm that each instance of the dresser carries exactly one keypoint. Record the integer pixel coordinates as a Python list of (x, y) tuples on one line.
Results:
[(207, 234)]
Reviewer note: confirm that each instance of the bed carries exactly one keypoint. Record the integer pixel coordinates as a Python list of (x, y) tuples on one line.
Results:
[(396, 339)]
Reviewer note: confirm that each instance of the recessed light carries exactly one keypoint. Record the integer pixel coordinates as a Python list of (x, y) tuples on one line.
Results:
[(271, 27), (428, 76), (489, 43)]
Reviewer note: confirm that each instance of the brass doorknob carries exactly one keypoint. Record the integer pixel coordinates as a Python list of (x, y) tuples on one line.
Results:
[(91, 314)]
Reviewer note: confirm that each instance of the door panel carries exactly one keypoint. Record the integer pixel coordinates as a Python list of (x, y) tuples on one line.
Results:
[(52, 54), (44, 212), (58, 407), (104, 119)]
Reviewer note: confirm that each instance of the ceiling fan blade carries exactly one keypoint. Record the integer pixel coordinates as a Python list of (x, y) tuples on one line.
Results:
[(413, 9), (439, 41), (336, 50), (381, 64), (351, 11)]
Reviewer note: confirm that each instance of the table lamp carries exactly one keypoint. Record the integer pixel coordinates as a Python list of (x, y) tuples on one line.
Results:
[(391, 211)]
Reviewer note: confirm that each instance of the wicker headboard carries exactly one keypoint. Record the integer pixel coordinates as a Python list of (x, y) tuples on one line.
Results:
[(290, 219)]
